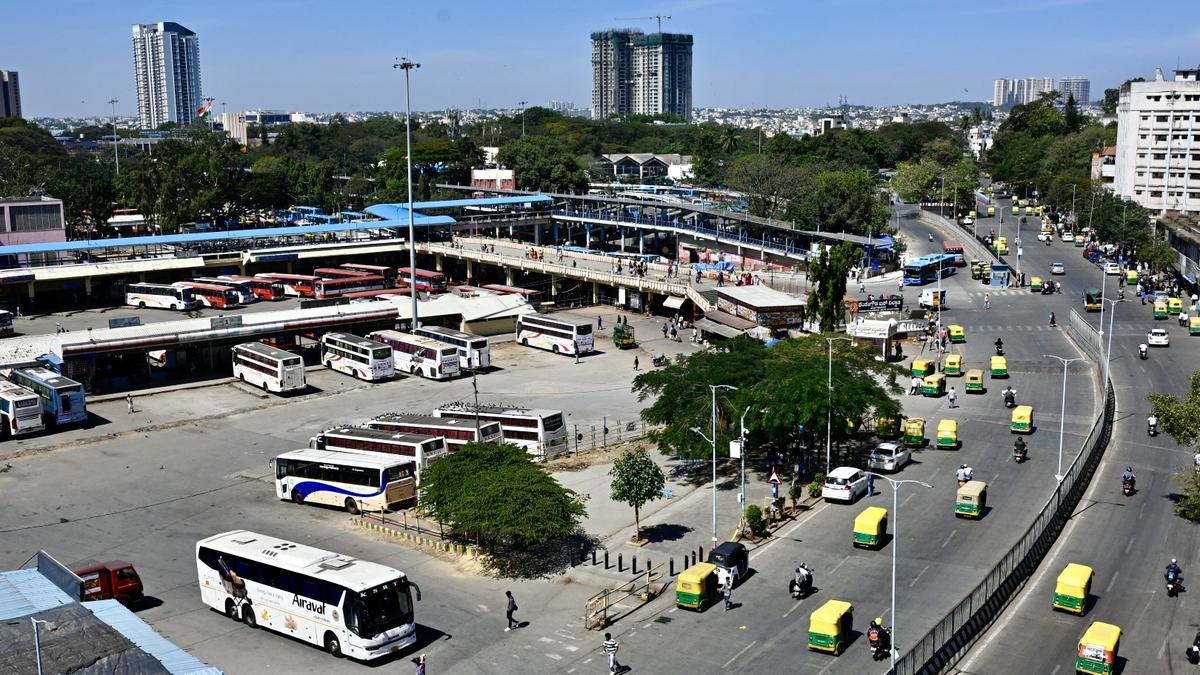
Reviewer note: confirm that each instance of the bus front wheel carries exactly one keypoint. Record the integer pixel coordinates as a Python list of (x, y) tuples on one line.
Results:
[(352, 506), (142, 304), (230, 609), (248, 615), (333, 646), (297, 498), (554, 349)]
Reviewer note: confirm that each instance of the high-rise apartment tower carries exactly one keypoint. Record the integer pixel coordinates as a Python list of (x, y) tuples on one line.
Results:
[(641, 74), (166, 63), (10, 94)]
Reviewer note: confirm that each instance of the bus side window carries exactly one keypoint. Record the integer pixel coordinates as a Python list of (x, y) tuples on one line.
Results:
[(66, 402)]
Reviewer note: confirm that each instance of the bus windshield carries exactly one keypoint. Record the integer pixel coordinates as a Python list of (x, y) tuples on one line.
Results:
[(379, 609), (382, 353), (583, 329), (553, 422)]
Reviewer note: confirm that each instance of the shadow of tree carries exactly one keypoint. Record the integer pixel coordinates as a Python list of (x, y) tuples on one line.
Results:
[(542, 561), (665, 532)]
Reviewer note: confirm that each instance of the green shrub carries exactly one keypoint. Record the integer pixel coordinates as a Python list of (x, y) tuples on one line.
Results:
[(814, 488), (755, 520), (796, 492)]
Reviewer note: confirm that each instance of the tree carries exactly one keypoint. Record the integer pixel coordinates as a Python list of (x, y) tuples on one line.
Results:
[(1158, 254), (828, 276), (544, 164), (729, 140), (917, 181), (1113, 96), (1072, 118), (495, 495), (840, 201), (1180, 418), (637, 479), (767, 180)]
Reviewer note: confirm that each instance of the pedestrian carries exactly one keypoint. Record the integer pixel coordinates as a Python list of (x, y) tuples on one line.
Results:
[(665, 328), (987, 300), (420, 661), (610, 647), (509, 608), (129, 402), (914, 386), (600, 322), (952, 397), (727, 592), (870, 485), (862, 286), (635, 363)]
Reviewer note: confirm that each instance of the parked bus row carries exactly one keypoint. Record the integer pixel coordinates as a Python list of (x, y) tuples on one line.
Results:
[(380, 355), (33, 399)]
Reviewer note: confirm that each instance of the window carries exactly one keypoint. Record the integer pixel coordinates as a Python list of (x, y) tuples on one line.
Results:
[(35, 218)]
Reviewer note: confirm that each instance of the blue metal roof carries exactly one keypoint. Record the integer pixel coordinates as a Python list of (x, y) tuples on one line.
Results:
[(25, 592), (177, 239), (173, 658), (483, 201)]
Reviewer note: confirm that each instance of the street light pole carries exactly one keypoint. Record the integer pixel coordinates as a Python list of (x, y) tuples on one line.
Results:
[(895, 540), (829, 408), (1108, 350), (522, 103), (713, 440), (407, 66), (1062, 418), (116, 155)]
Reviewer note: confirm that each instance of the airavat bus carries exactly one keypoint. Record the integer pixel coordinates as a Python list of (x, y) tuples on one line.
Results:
[(358, 482), (267, 367)]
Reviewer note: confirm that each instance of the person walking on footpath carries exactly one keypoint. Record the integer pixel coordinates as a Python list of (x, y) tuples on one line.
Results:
[(862, 286), (129, 402), (952, 398), (509, 608), (599, 322), (610, 647), (987, 301), (420, 661), (727, 592), (635, 363)]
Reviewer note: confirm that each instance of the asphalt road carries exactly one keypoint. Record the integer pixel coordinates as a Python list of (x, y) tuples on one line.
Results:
[(1127, 540)]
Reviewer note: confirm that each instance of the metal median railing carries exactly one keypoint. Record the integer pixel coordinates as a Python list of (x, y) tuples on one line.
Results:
[(950, 638)]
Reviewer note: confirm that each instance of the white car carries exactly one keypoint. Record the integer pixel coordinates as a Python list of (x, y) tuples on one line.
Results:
[(1058, 268), (1158, 337), (1067, 236), (889, 457), (845, 484), (1112, 268), (1045, 236)]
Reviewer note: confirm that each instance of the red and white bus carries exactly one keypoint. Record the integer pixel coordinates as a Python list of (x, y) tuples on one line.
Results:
[(419, 355), (388, 273), (457, 432), (211, 295), (301, 285), (264, 289), (430, 282), (245, 293), (338, 273), (336, 288), (955, 249), (423, 449)]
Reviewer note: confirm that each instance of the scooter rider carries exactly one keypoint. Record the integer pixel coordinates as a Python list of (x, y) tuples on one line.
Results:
[(802, 581), (1128, 476), (1173, 571), (999, 347), (1010, 396), (878, 637), (963, 474), (1142, 350), (1152, 424), (1019, 447)]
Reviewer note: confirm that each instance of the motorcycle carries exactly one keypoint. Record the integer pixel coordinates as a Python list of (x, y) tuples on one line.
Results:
[(1143, 352), (660, 361), (1174, 583), (1127, 486), (999, 350), (1010, 399), (1193, 651), (930, 237), (1152, 428), (879, 641), (1020, 452), (802, 589)]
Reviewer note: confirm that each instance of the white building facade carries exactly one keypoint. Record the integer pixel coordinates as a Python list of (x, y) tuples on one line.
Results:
[(1158, 142), (1020, 91), (166, 65)]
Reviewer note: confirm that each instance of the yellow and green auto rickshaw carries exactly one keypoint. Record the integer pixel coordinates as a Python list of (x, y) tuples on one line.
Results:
[(923, 367), (1035, 284), (1022, 202), (1016, 210), (623, 336), (887, 427), (1194, 325), (1071, 591), (1174, 306), (1098, 649), (852, 426), (1000, 245), (974, 383), (870, 526), (1131, 277), (957, 333), (976, 269), (1022, 419), (991, 211), (914, 432), (1160, 309), (697, 586), (1079, 241), (947, 434), (953, 365), (999, 366), (971, 500), (829, 627), (1029, 210), (973, 215), (934, 385)]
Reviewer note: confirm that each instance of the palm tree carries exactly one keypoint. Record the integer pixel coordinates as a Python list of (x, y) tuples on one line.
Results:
[(728, 141)]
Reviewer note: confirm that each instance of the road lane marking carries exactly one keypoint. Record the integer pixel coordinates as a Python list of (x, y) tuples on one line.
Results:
[(1129, 545), (948, 538), (1162, 650), (1056, 669), (1113, 582), (735, 656), (784, 535), (556, 657), (910, 496), (918, 577), (794, 608), (1142, 511), (935, 472)]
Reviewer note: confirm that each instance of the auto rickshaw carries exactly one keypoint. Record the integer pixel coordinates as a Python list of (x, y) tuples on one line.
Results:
[(1174, 306), (971, 500), (887, 427), (829, 627), (974, 383), (947, 434), (1079, 241), (957, 333), (697, 586), (623, 336), (1001, 245), (1194, 325), (953, 365), (1022, 202), (934, 385), (1022, 419), (1070, 594), (999, 366), (1016, 210), (972, 215), (976, 269), (870, 526), (922, 367), (1131, 277), (914, 432), (1160, 309), (1098, 649), (991, 211), (1035, 284)]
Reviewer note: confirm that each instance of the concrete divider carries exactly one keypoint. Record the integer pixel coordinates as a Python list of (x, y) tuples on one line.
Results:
[(461, 550)]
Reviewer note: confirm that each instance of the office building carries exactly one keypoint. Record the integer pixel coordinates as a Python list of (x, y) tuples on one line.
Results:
[(10, 94), (1079, 87), (1020, 91), (166, 63), (634, 73), (1158, 142)]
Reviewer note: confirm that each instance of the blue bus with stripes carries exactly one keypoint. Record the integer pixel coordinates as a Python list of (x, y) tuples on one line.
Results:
[(62, 398), (929, 268)]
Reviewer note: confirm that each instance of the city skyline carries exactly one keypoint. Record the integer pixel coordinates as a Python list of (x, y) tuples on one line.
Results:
[(756, 54)]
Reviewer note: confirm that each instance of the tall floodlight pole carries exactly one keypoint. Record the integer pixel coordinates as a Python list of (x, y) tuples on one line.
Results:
[(522, 104), (1062, 419), (829, 408), (713, 440), (407, 65), (1108, 350), (116, 155)]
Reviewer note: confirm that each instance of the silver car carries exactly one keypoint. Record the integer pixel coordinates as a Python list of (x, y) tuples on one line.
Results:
[(889, 457)]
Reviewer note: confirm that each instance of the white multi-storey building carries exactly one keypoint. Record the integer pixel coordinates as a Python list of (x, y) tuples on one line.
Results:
[(1158, 142), (1079, 87), (166, 64), (1020, 91), (634, 73)]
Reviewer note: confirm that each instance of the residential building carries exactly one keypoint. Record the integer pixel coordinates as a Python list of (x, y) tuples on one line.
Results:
[(10, 94), (634, 73), (31, 220), (1158, 142), (493, 179), (1020, 91), (1079, 87), (1104, 165), (166, 64), (830, 123), (643, 165)]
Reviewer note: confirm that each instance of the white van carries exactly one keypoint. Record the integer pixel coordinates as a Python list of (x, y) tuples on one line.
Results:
[(931, 298)]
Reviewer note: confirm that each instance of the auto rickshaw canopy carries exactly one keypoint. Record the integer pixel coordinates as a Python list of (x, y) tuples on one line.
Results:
[(972, 491), (1074, 580), (974, 380), (1099, 642), (827, 618), (914, 431), (871, 520), (957, 333), (953, 364), (1035, 284), (999, 365), (1174, 305), (696, 573), (1022, 418), (1160, 309), (922, 367)]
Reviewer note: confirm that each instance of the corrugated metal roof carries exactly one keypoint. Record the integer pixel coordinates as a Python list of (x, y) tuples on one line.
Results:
[(24, 592), (173, 657), (482, 201)]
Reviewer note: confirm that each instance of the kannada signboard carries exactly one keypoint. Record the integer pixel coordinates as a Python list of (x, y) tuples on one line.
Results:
[(878, 305), (221, 322)]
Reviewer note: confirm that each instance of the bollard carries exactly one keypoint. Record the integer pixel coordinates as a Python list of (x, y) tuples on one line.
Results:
[(620, 562), (593, 556), (634, 558), (700, 553), (605, 558), (671, 565)]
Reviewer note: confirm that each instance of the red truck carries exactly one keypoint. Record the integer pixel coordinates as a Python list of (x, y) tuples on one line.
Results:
[(111, 580)]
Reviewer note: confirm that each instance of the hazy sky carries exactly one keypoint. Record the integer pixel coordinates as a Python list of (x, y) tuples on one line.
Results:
[(325, 55)]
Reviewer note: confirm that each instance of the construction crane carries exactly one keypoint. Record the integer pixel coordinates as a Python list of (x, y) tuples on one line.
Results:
[(657, 17)]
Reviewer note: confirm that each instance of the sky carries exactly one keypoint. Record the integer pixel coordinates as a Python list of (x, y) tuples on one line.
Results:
[(336, 55)]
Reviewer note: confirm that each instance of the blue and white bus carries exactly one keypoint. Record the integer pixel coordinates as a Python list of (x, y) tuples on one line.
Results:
[(363, 481), (928, 269), (62, 398)]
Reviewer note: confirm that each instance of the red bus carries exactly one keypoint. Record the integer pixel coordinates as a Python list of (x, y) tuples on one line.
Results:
[(430, 282), (211, 295), (955, 249), (374, 294), (264, 289), (338, 273), (302, 285), (388, 273), (335, 288)]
